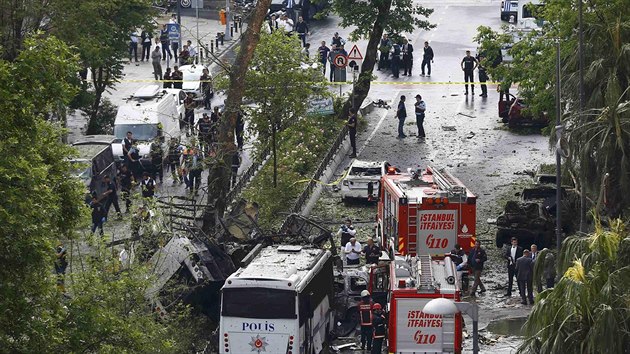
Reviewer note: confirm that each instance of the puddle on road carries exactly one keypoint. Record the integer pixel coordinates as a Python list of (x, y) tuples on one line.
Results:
[(507, 326)]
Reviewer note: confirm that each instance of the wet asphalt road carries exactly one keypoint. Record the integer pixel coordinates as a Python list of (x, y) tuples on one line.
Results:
[(464, 134)]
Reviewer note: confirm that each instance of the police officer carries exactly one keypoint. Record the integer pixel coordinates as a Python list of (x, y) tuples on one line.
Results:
[(483, 77), (126, 146), (124, 178), (111, 195), (352, 131), (469, 64), (203, 127), (135, 166), (346, 232), (236, 163), (420, 108), (395, 63), (174, 154), (157, 156), (378, 323), (365, 315), (148, 185)]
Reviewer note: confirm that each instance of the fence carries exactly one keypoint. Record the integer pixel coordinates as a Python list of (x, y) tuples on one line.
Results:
[(246, 176)]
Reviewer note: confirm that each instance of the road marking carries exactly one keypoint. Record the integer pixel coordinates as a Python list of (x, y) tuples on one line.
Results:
[(378, 125)]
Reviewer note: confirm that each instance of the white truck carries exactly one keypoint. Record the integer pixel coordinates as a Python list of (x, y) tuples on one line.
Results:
[(150, 113), (280, 301)]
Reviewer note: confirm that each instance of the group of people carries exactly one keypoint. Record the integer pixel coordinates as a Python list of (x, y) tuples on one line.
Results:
[(352, 250), (396, 55), (520, 265), (373, 324)]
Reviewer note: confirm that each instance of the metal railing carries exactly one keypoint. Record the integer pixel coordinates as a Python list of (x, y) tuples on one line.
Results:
[(246, 176)]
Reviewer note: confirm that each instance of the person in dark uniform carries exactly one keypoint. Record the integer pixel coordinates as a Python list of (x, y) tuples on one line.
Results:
[(97, 214), (203, 127), (476, 259), (384, 47), (127, 143), (236, 163), (401, 114), (469, 64), (302, 30), (336, 40), (323, 51), (240, 129), (148, 185), (395, 62), (134, 163), (157, 156), (194, 166), (524, 271), (124, 179), (331, 60), (365, 317), (215, 118), (427, 58), (189, 115), (346, 232), (420, 108), (380, 329), (177, 77), (372, 252), (174, 154), (167, 78), (407, 57), (111, 196), (206, 88), (352, 131), (483, 77)]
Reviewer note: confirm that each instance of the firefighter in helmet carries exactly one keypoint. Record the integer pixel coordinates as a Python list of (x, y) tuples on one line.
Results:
[(378, 322), (365, 312)]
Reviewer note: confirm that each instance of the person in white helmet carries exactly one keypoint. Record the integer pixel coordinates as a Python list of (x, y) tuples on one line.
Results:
[(365, 315)]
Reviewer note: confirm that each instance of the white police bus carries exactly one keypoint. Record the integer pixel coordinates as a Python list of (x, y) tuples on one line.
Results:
[(278, 302)]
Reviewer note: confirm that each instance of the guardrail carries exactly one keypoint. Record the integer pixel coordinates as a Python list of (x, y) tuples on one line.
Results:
[(306, 193), (245, 177)]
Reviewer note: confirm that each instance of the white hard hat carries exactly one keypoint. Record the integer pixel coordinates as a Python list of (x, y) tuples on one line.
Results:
[(365, 293)]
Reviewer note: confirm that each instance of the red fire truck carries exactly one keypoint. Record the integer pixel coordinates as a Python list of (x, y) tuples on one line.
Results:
[(425, 212), (406, 284)]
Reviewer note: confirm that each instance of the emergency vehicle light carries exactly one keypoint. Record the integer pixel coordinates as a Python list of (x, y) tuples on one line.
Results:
[(391, 170)]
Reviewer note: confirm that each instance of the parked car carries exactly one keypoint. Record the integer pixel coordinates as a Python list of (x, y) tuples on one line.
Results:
[(362, 180)]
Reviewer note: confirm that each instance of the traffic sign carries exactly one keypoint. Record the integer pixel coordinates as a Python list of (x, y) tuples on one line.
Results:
[(354, 64), (355, 53), (173, 32), (340, 61)]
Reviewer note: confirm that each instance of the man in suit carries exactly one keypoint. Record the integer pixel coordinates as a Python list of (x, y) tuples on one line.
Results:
[(401, 114), (534, 255), (511, 254), (407, 58), (524, 271)]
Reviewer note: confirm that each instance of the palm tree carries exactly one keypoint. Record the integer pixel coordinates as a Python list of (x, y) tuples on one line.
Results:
[(599, 137), (588, 311)]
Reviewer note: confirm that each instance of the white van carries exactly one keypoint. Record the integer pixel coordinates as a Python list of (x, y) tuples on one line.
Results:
[(152, 112)]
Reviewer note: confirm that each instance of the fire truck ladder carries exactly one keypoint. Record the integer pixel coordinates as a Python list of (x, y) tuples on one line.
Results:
[(447, 182), (412, 227), (425, 280)]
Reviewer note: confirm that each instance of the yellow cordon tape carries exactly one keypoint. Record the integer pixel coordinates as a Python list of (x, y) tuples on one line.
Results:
[(350, 83)]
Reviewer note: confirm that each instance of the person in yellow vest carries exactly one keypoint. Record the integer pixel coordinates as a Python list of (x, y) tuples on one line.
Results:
[(365, 316), (380, 329)]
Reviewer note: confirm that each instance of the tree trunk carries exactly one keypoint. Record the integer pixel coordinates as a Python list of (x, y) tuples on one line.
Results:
[(362, 86), (274, 151), (100, 77), (220, 173)]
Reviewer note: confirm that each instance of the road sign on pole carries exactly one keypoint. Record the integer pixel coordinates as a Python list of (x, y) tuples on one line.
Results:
[(355, 53), (173, 32), (340, 61)]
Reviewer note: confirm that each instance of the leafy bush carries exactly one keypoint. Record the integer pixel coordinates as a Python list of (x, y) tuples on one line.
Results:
[(300, 151)]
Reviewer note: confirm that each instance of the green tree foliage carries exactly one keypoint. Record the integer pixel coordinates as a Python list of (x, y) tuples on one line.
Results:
[(100, 32), (39, 200), (598, 137), (587, 311), (370, 19), (280, 84), (18, 19)]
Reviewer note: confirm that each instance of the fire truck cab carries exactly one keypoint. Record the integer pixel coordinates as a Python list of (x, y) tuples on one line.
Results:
[(425, 212), (410, 283)]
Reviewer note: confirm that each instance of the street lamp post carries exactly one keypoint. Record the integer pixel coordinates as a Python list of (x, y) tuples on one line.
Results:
[(227, 20), (558, 152), (443, 307)]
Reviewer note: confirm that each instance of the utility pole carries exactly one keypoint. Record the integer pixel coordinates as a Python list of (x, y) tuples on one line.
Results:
[(558, 152), (179, 12), (581, 111)]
